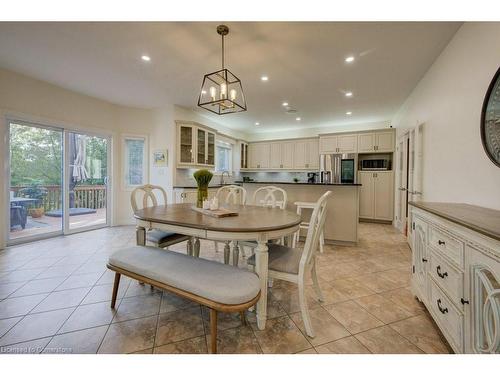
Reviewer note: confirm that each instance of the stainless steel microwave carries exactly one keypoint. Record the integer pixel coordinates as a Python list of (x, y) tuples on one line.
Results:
[(375, 164)]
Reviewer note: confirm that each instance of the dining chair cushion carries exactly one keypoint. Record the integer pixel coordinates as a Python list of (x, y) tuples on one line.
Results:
[(281, 259), (157, 236), (212, 280)]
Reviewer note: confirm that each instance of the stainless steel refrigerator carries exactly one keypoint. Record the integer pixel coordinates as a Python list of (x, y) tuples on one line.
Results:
[(338, 168)]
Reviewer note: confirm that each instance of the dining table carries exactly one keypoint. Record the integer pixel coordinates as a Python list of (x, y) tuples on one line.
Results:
[(252, 223)]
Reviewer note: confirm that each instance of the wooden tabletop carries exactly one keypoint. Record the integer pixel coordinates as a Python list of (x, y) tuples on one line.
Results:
[(249, 219), (480, 219)]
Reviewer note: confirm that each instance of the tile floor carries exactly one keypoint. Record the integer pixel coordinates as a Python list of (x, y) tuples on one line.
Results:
[(54, 298)]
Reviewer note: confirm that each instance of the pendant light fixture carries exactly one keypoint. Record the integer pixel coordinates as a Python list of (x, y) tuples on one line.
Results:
[(221, 91)]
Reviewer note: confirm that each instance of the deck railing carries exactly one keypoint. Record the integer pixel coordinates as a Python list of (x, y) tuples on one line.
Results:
[(88, 196)]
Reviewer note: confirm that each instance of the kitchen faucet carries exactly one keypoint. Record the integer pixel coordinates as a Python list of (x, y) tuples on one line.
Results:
[(222, 177)]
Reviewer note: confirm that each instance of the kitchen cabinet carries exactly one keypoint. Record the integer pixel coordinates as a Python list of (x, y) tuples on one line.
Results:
[(259, 154), (376, 142), (281, 155), (284, 155), (335, 144), (306, 154), (376, 195), (195, 146), (456, 274), (243, 155)]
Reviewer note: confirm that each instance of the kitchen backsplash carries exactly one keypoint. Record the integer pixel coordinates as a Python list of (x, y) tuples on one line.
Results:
[(275, 176)]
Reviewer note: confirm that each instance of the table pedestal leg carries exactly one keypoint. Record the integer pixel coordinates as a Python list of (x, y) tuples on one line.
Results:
[(227, 250), (196, 252), (140, 236), (261, 264), (236, 253), (189, 249)]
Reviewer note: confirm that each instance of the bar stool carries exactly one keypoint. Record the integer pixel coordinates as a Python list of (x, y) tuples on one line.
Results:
[(305, 225)]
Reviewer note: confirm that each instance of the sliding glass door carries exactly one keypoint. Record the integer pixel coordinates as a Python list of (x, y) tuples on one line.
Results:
[(36, 181), (58, 181), (87, 181)]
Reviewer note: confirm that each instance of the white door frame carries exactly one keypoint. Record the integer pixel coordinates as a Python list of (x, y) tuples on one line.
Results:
[(401, 181)]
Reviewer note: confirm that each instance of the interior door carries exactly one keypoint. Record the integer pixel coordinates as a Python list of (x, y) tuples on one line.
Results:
[(402, 183)]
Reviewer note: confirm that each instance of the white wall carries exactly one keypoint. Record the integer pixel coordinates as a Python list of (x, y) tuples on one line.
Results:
[(448, 100), (35, 100)]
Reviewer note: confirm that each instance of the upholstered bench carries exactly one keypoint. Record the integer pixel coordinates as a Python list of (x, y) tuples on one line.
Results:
[(215, 285)]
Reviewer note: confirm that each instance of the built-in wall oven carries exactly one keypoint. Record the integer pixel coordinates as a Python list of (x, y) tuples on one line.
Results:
[(375, 164)]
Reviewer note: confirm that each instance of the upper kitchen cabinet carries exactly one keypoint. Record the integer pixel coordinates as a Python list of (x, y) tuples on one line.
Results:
[(338, 144), (195, 146), (259, 155), (306, 154), (376, 142), (243, 155)]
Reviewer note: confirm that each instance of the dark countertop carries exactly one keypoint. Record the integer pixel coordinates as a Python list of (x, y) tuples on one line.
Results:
[(480, 219), (210, 186), (293, 183)]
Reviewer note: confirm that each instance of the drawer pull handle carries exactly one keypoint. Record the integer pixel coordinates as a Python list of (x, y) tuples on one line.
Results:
[(443, 311), (424, 260), (441, 275), (464, 301), (441, 242)]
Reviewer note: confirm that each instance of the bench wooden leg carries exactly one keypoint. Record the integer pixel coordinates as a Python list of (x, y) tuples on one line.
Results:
[(242, 317), (115, 289), (213, 330)]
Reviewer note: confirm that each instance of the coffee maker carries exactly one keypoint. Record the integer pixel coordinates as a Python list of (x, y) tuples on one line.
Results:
[(312, 177)]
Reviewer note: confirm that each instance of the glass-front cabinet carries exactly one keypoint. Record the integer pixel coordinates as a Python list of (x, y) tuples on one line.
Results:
[(243, 155), (195, 146)]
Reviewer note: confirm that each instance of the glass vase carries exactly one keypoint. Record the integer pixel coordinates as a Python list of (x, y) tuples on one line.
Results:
[(201, 196)]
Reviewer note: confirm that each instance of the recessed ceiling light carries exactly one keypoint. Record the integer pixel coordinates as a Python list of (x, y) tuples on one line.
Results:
[(264, 78), (145, 58), (285, 104), (348, 94), (298, 118), (348, 113), (257, 123), (349, 59)]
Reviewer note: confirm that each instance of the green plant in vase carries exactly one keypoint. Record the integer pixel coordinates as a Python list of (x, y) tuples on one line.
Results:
[(203, 178)]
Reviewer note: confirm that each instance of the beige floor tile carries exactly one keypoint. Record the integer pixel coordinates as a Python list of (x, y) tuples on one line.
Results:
[(28, 347), (382, 308), (138, 307), (403, 297), (36, 326), (130, 336), (145, 351), (240, 340), (179, 325), (6, 324), (101, 293), (80, 281), (196, 345), (351, 288), (289, 300), (56, 271), (421, 331), (377, 282), (170, 302), (224, 320), (38, 287), (62, 299), (88, 316), (274, 310), (19, 306), (137, 289), (308, 351), (347, 345), (20, 275), (326, 327), (385, 340), (86, 341), (9, 288), (353, 317), (281, 336)]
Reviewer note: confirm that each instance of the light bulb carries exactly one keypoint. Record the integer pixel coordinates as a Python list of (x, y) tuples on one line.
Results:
[(213, 92), (232, 94), (223, 91)]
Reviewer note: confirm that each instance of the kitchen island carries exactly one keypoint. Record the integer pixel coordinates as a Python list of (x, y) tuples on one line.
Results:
[(341, 225)]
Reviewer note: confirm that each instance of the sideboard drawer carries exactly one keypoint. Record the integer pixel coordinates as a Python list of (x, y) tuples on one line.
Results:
[(447, 277), (448, 318), (447, 246)]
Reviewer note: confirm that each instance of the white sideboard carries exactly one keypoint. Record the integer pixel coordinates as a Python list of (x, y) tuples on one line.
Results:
[(456, 272)]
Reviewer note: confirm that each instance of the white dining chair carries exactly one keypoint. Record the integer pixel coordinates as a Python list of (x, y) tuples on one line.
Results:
[(266, 196), (305, 225), (158, 237), (293, 264), (231, 194)]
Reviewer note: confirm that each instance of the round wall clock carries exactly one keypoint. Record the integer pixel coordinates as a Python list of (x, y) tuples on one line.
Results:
[(490, 120)]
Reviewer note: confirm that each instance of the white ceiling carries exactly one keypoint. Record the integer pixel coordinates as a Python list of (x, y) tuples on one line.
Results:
[(304, 62)]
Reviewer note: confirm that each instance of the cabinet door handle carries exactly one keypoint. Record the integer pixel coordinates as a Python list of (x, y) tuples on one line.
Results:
[(441, 275), (441, 242), (424, 260), (464, 301), (443, 311)]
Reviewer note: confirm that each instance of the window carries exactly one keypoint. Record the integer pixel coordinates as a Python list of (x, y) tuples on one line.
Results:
[(135, 164), (224, 160)]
